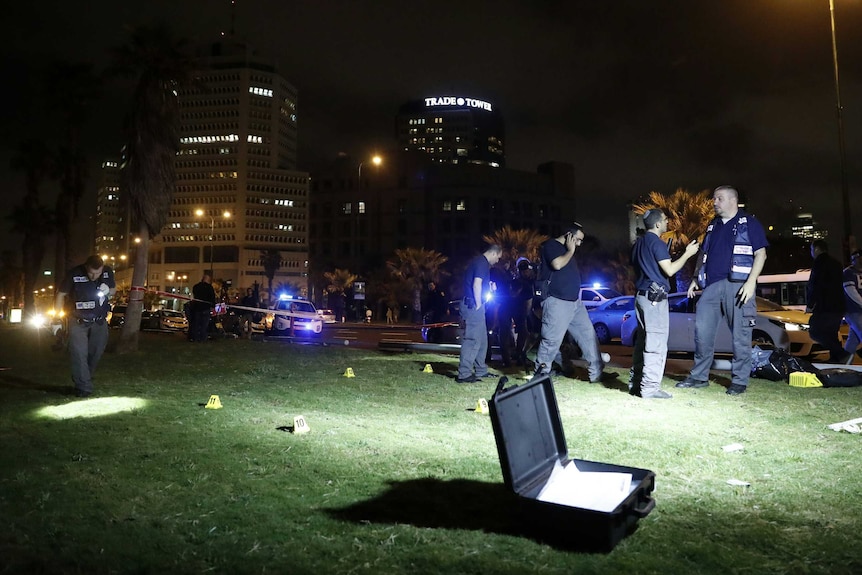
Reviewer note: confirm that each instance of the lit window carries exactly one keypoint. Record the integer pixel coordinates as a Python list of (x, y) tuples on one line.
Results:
[(447, 205), (461, 206), (345, 208), (260, 91)]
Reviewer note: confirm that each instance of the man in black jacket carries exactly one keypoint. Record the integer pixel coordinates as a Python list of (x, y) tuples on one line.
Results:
[(825, 293)]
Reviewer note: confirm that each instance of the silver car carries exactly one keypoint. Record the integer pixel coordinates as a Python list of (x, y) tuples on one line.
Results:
[(774, 326)]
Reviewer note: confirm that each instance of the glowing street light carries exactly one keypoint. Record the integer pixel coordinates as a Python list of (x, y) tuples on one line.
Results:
[(376, 160), (201, 213)]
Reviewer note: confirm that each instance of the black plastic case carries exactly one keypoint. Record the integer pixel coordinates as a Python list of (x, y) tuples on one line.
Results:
[(530, 440)]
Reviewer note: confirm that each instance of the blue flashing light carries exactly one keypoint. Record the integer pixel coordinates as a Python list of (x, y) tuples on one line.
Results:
[(284, 296), (597, 285)]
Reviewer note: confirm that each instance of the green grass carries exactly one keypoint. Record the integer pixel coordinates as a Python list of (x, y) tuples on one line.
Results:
[(397, 475)]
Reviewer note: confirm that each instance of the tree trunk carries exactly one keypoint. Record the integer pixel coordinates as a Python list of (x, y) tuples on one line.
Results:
[(132, 324)]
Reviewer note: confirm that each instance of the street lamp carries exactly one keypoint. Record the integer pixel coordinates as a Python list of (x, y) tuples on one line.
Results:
[(201, 213), (376, 160), (845, 194)]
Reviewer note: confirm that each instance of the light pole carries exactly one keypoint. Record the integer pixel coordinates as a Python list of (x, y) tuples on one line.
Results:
[(376, 160), (201, 213), (845, 194)]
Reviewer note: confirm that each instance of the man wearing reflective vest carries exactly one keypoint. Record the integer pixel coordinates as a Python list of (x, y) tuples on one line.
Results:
[(91, 286), (731, 257)]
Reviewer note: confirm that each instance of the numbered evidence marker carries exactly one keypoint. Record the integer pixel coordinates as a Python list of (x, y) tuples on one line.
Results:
[(300, 425), (349, 372), (428, 368), (213, 403), (482, 406)]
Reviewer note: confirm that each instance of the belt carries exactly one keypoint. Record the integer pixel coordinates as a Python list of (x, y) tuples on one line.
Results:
[(82, 321)]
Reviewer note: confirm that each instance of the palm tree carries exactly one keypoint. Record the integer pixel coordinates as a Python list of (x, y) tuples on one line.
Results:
[(416, 267), (338, 282), (79, 86), (516, 244), (688, 214), (30, 218), (161, 66), (271, 259)]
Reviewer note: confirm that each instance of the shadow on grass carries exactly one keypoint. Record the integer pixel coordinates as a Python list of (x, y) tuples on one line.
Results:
[(439, 367), (13, 382), (462, 504)]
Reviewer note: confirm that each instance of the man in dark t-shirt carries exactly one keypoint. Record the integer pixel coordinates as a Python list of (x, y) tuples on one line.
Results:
[(563, 311), (651, 261), (474, 341)]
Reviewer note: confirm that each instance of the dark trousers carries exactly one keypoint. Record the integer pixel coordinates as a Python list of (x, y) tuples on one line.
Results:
[(823, 328), (200, 325)]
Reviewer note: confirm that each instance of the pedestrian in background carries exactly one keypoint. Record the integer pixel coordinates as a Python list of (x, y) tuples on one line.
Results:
[(731, 257), (201, 308), (91, 286), (853, 302), (654, 267), (825, 297), (249, 300)]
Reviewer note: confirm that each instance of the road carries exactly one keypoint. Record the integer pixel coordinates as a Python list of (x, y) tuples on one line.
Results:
[(406, 337)]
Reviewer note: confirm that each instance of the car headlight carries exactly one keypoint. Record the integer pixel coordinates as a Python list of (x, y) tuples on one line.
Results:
[(790, 326)]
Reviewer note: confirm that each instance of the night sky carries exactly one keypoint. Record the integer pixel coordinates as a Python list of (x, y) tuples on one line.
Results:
[(638, 96)]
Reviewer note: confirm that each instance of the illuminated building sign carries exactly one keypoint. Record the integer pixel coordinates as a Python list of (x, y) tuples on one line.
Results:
[(457, 101)]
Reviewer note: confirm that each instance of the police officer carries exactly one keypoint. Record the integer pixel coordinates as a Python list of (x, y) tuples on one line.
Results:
[(91, 286), (652, 262), (732, 256)]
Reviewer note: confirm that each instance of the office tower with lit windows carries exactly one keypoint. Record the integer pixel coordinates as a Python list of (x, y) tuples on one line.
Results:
[(238, 192), (109, 218), (453, 130)]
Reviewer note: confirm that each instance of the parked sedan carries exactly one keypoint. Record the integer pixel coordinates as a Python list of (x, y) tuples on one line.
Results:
[(164, 320), (327, 315), (774, 326), (607, 318)]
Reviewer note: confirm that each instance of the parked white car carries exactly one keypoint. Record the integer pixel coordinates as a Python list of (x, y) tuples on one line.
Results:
[(303, 320)]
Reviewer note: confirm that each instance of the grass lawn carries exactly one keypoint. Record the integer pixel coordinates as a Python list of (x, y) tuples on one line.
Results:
[(398, 474)]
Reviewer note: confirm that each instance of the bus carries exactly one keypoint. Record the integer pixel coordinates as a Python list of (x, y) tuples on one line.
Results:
[(787, 290)]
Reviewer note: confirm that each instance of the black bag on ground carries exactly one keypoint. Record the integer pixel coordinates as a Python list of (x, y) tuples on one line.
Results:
[(776, 367), (840, 377), (795, 364)]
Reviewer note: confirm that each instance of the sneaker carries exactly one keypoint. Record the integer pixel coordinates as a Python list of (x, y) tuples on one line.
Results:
[(690, 382), (470, 379), (658, 394), (83, 394), (735, 389), (489, 374)]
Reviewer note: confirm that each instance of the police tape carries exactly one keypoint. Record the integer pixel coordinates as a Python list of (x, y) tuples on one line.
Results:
[(280, 313)]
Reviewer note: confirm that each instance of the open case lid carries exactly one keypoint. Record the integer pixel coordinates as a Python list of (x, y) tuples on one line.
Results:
[(528, 431)]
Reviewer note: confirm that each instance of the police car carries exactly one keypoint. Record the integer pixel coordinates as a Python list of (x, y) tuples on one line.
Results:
[(303, 320)]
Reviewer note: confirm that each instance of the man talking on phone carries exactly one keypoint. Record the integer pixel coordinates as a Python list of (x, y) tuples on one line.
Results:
[(563, 311), (731, 257)]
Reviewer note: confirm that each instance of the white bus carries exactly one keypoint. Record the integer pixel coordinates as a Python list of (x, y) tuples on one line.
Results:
[(787, 290)]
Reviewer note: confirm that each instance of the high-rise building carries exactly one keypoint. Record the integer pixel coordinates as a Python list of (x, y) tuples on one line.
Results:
[(109, 216), (238, 193), (453, 130)]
